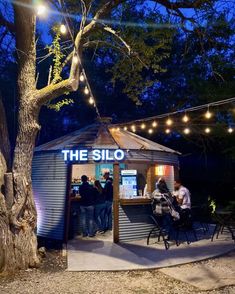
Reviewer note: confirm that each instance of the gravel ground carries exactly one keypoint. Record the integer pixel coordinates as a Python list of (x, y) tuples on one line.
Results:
[(52, 278)]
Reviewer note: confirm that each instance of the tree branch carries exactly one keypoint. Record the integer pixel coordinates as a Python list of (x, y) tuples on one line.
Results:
[(183, 4)]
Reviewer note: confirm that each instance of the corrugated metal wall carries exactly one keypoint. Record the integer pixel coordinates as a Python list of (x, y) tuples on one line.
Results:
[(134, 222), (49, 176)]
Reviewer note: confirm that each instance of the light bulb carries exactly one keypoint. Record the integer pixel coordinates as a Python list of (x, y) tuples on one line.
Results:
[(143, 126), (208, 114), (185, 118), (230, 130), (82, 78), (169, 122), (117, 129), (86, 91), (91, 100), (207, 130), (150, 131), (154, 124), (186, 131), (125, 128), (167, 131), (41, 10), (63, 29), (133, 128), (75, 59)]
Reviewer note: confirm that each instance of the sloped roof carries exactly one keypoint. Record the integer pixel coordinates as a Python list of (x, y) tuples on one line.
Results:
[(103, 136)]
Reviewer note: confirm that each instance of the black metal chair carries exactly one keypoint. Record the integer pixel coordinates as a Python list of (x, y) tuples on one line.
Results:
[(185, 226), (223, 220), (158, 232)]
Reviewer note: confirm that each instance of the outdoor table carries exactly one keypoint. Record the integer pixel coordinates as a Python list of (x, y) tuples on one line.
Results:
[(224, 219)]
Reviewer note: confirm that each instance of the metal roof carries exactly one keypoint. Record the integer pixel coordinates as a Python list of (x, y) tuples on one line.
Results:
[(103, 136)]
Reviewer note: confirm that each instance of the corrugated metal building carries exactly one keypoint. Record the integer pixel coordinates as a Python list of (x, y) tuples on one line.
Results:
[(51, 176)]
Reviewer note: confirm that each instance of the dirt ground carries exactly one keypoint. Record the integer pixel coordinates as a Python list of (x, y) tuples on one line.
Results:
[(52, 277)]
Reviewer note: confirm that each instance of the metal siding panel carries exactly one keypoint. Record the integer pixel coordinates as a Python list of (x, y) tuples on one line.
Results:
[(134, 222), (49, 176)]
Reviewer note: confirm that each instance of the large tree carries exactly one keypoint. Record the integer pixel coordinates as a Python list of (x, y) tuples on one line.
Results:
[(17, 208)]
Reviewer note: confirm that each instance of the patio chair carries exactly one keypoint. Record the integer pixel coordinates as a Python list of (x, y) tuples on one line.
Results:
[(223, 220), (158, 232), (185, 226)]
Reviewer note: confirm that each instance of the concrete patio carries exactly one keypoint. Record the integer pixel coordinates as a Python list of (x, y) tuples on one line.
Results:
[(101, 254)]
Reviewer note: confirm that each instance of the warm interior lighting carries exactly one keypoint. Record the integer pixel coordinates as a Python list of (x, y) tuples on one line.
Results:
[(154, 124), (160, 170), (186, 131), (143, 126), (63, 29), (169, 122), (185, 118), (150, 131), (207, 130), (86, 91)]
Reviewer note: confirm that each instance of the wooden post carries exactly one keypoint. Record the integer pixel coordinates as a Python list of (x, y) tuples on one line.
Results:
[(151, 179), (9, 192), (116, 202)]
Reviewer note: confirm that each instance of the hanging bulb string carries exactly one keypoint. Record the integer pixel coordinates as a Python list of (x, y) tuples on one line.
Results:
[(169, 114)]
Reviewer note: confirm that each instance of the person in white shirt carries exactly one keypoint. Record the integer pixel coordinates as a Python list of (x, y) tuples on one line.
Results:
[(182, 195)]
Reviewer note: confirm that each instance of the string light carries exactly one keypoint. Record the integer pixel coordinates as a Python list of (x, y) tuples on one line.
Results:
[(186, 131), (117, 129), (133, 128), (75, 59), (91, 100), (154, 124), (169, 122), (143, 126), (208, 114), (185, 118), (230, 130), (167, 131), (41, 10), (82, 78), (86, 91), (207, 130), (63, 29), (150, 131), (125, 128)]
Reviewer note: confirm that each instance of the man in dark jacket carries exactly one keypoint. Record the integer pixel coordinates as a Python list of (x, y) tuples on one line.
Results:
[(108, 192), (87, 207)]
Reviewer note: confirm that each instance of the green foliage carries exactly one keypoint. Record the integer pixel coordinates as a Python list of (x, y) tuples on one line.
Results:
[(212, 204), (55, 50), (57, 106)]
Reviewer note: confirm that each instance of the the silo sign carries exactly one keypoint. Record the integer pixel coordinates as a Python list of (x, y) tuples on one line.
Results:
[(82, 155)]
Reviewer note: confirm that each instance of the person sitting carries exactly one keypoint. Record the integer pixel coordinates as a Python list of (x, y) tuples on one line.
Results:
[(99, 207), (87, 203), (183, 198)]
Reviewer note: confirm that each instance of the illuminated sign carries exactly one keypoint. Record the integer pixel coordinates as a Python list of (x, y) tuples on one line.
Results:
[(96, 155)]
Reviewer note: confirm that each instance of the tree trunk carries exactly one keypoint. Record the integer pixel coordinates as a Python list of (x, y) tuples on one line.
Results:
[(18, 224)]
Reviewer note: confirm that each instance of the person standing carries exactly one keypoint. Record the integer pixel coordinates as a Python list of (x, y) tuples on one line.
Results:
[(108, 192), (99, 207), (87, 206)]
